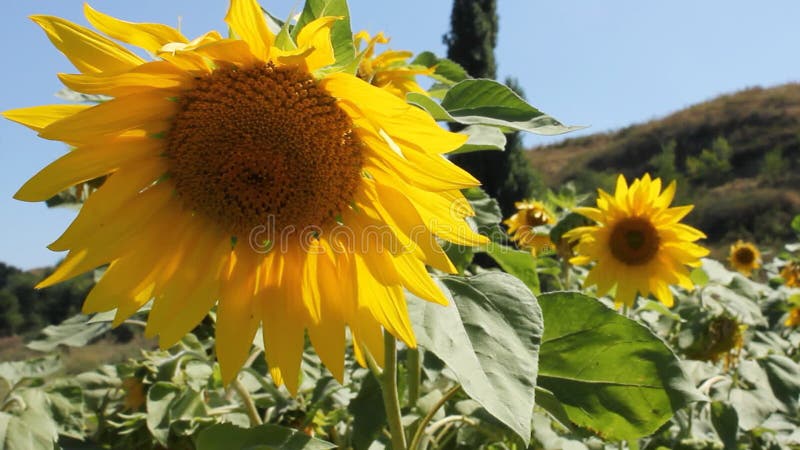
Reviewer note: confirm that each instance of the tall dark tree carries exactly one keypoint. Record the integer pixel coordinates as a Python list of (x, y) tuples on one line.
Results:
[(507, 176)]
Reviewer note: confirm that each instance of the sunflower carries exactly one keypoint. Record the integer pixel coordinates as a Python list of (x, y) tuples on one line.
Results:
[(791, 274), (744, 257), (793, 318), (241, 175), (390, 70), (638, 244), (526, 226)]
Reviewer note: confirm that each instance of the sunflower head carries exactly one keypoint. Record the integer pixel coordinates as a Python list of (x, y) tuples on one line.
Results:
[(791, 274), (793, 318), (528, 226), (744, 257), (252, 173), (721, 339), (638, 244), (389, 70)]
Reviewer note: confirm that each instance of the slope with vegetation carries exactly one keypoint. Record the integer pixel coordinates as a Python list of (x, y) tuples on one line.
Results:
[(741, 148)]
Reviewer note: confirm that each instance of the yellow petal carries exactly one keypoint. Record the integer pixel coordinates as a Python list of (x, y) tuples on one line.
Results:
[(39, 117), (154, 75), (417, 280), (386, 303), (140, 111), (108, 201), (317, 35), (87, 50), (84, 164), (238, 317), (398, 119), (149, 36), (328, 334), (246, 19)]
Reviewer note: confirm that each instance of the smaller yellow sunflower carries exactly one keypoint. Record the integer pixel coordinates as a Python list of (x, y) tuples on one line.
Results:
[(638, 244), (723, 338), (527, 226), (744, 257), (791, 274), (390, 70), (793, 319)]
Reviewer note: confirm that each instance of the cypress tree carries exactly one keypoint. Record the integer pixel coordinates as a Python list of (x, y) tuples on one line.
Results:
[(507, 176)]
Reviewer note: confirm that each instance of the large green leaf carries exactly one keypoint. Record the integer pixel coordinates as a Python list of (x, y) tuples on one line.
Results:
[(341, 33), (487, 102), (225, 436), (489, 337), (73, 332), (481, 137), (446, 71), (611, 374), (15, 371), (519, 263), (160, 397)]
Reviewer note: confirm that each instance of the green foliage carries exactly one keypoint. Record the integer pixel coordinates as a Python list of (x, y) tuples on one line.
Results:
[(712, 166), (774, 165), (473, 36), (341, 34), (25, 310)]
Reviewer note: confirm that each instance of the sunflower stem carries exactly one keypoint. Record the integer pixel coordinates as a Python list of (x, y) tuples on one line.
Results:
[(413, 367), (416, 440), (391, 400), (249, 405)]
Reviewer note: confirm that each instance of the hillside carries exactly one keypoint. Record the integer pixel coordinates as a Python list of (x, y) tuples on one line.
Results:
[(743, 148)]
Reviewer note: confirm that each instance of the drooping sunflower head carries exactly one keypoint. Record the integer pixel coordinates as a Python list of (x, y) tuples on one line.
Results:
[(721, 338), (791, 274), (638, 245), (527, 227), (389, 70), (251, 173), (744, 257)]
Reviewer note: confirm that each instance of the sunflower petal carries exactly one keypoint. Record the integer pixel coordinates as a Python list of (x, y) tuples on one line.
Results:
[(149, 36), (246, 19)]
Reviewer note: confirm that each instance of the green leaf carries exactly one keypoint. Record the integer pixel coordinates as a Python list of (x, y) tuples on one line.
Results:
[(489, 338), (73, 332), (487, 210), (341, 33), (726, 423), (699, 277), (796, 224), (487, 102), (568, 222), (16, 434), (481, 137), (752, 396), (369, 414), (447, 71), (784, 378), (519, 263), (584, 350), (428, 104), (160, 397), (225, 436), (15, 371)]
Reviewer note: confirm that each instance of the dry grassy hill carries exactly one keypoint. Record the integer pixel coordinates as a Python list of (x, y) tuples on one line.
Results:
[(748, 187)]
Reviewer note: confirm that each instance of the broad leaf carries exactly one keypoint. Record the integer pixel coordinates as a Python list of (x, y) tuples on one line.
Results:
[(73, 332), (160, 397), (15, 371), (481, 137), (369, 413), (611, 374), (487, 102), (225, 436), (447, 71), (489, 337), (519, 263)]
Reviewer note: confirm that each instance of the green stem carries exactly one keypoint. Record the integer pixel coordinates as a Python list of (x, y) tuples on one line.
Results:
[(391, 401), (413, 367), (415, 441), (249, 405)]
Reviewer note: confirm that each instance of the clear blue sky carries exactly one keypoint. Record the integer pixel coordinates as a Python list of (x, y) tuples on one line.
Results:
[(605, 64)]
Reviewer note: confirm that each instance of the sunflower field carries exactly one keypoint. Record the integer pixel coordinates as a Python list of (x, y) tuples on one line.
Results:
[(277, 209)]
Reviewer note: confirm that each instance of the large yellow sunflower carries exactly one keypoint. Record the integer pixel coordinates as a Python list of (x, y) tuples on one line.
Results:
[(239, 175), (638, 244), (526, 226), (744, 257)]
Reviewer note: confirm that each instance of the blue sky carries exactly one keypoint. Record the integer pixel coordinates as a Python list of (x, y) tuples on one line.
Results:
[(604, 64)]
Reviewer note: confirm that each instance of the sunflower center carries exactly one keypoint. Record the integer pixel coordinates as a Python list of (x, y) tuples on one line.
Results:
[(263, 146), (536, 217), (745, 256), (634, 241)]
